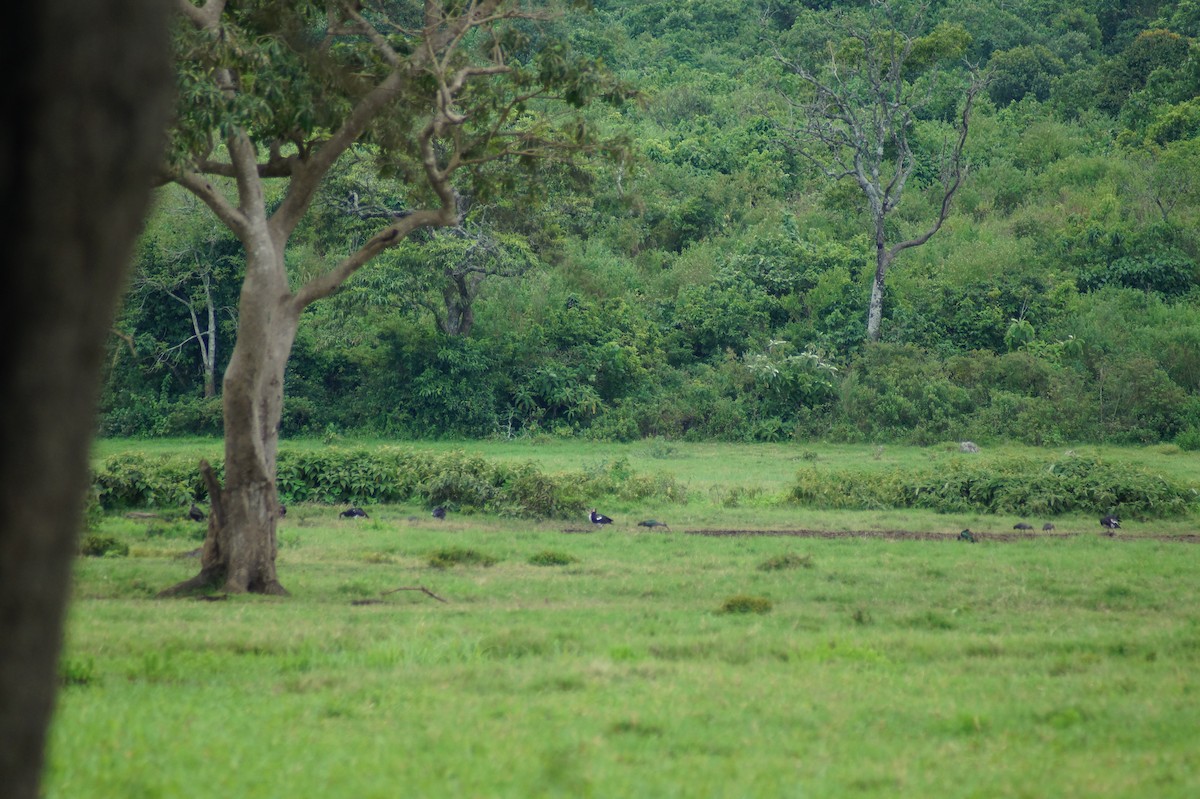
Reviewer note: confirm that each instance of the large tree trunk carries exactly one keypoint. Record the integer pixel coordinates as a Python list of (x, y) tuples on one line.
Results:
[(459, 296), (85, 104), (239, 551), (883, 259), (209, 353)]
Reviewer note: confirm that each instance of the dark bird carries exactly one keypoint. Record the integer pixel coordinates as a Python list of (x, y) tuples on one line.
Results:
[(967, 535), (282, 510), (1022, 526), (439, 512), (353, 513), (195, 514), (652, 523), (1047, 527), (598, 518), (1111, 523)]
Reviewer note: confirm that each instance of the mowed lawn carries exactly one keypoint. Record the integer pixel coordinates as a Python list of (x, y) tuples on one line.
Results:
[(1065, 666)]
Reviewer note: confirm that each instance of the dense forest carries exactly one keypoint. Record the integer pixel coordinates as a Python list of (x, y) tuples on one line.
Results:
[(712, 282)]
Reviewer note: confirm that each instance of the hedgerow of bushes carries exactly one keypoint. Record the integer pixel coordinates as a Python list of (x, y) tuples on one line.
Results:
[(389, 475), (1009, 486)]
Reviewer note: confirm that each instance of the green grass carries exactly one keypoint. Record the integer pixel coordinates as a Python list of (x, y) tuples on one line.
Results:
[(1065, 666), (1061, 667)]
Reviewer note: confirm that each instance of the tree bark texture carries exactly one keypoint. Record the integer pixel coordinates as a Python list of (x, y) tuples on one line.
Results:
[(239, 551), (883, 259), (85, 103)]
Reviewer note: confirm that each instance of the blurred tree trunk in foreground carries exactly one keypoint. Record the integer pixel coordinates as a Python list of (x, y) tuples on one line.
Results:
[(85, 101)]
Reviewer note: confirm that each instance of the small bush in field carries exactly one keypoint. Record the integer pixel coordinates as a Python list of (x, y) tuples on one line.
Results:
[(76, 671), (1069, 484), (1189, 440), (788, 560), (549, 557), (93, 512), (459, 556), (101, 546), (744, 603)]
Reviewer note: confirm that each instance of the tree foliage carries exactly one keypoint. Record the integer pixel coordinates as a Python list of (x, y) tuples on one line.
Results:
[(680, 289)]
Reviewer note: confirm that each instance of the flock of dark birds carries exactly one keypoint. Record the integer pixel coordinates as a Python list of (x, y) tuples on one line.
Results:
[(1109, 523), (599, 520)]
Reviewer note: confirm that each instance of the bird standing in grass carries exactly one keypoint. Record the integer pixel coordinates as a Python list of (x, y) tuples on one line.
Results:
[(1022, 526), (353, 513), (967, 535), (195, 514), (1111, 523), (598, 519), (439, 512), (1047, 527), (652, 523)]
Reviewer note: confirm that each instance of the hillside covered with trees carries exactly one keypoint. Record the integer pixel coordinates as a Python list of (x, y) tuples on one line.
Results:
[(713, 280)]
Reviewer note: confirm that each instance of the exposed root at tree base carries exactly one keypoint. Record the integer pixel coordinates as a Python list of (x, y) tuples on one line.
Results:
[(210, 580), (202, 583)]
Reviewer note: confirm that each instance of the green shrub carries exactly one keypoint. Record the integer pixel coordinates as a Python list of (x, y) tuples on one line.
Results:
[(135, 480), (1021, 486), (548, 557), (1189, 440), (788, 560), (93, 511), (76, 671), (337, 476), (901, 390), (459, 556), (102, 546), (744, 603)]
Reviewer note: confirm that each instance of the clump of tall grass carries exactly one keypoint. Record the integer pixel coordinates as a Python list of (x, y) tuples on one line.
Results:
[(103, 546), (745, 603), (459, 556), (787, 560), (548, 557)]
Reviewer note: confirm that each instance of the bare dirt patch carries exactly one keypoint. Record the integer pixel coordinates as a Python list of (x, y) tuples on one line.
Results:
[(917, 535), (914, 535)]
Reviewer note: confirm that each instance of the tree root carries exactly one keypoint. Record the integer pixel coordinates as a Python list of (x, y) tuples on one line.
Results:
[(420, 588), (206, 580)]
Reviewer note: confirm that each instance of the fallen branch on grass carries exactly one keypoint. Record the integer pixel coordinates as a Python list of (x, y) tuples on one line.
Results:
[(420, 588)]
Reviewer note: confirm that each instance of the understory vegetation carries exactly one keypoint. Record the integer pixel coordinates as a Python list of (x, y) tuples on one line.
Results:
[(1031, 482), (713, 285)]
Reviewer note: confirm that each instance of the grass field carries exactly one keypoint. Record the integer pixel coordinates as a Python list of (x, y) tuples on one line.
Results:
[(1064, 666)]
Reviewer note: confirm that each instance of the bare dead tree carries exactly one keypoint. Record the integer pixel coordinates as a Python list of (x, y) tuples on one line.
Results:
[(856, 121)]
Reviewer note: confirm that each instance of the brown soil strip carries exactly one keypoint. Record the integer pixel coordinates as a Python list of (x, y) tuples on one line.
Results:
[(911, 535)]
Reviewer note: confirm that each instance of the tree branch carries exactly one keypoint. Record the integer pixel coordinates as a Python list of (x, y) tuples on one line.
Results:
[(420, 588), (957, 171), (201, 187)]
